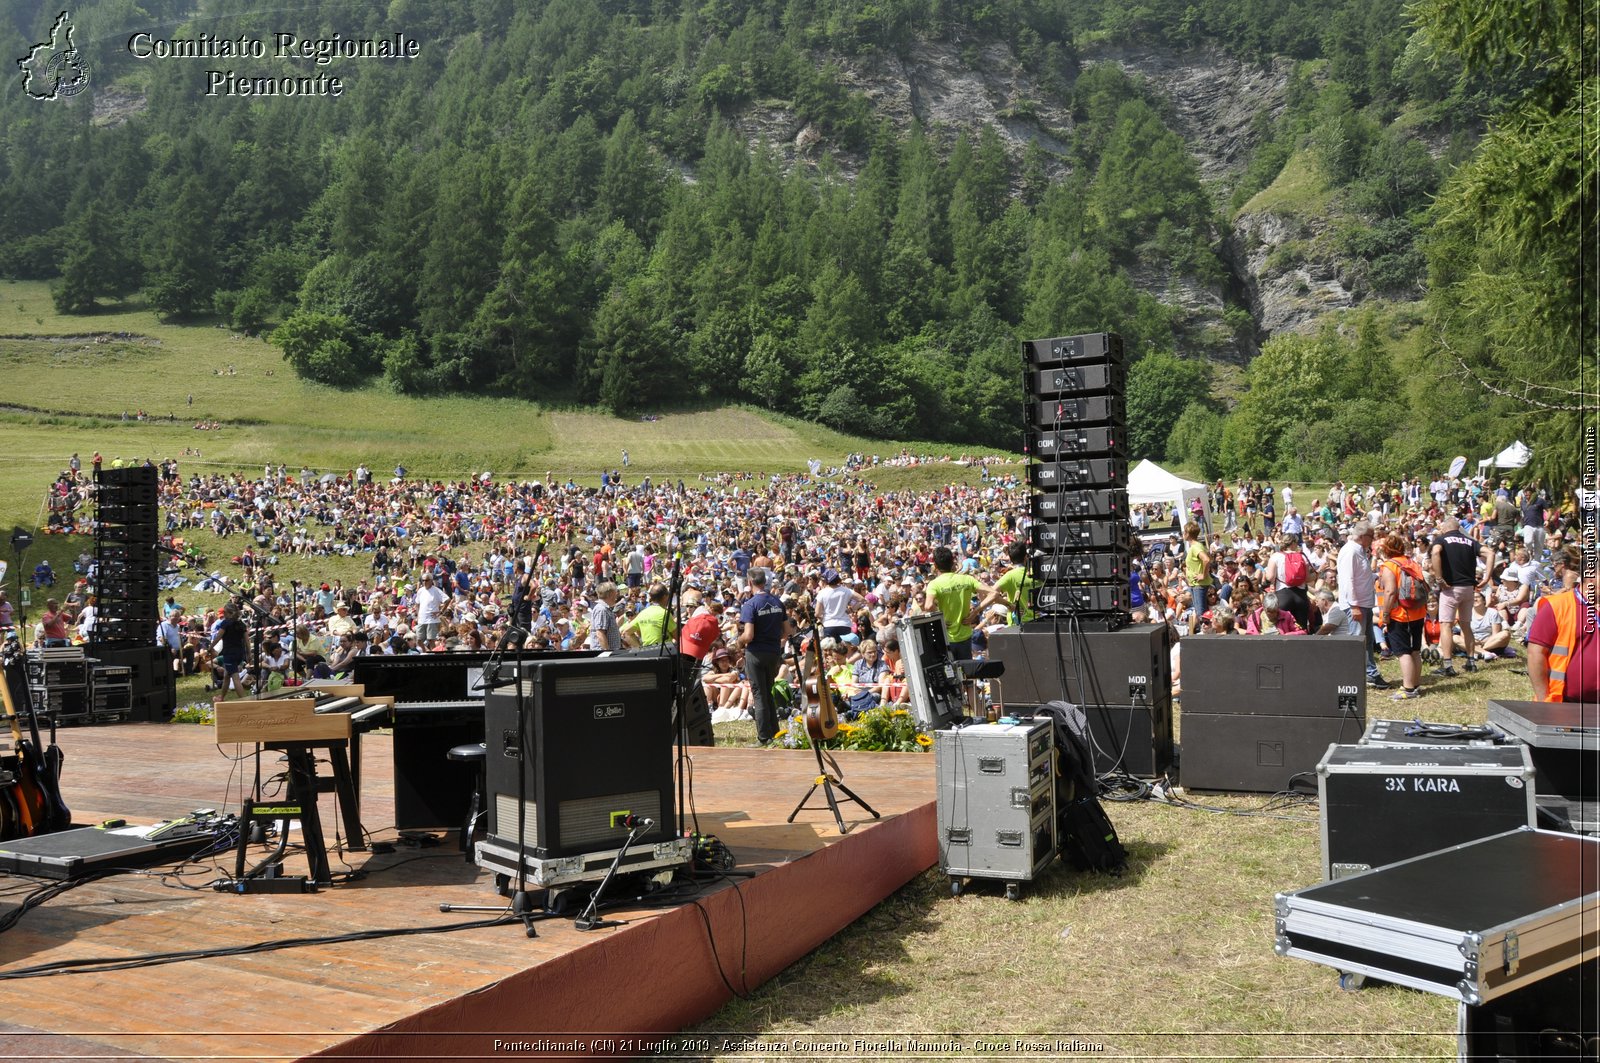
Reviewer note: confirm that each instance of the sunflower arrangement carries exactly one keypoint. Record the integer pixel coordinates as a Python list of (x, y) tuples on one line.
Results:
[(883, 729)]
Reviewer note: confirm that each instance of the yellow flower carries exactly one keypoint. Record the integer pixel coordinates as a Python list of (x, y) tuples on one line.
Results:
[(901, 712), (924, 741)]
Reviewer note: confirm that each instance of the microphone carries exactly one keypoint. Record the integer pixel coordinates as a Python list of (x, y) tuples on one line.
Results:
[(633, 822)]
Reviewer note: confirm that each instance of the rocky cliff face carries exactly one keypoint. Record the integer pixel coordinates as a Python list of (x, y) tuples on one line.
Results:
[(1288, 276), (1279, 265)]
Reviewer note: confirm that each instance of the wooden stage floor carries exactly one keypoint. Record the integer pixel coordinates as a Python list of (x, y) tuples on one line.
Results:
[(434, 996)]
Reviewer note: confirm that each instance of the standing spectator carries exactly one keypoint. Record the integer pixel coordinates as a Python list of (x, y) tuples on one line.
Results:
[(833, 605), (1197, 569), (430, 600), (228, 635), (1287, 569), (1356, 593), (604, 634), (951, 593), (1454, 558), (653, 625), (1404, 629), (764, 624), (53, 623), (1564, 638)]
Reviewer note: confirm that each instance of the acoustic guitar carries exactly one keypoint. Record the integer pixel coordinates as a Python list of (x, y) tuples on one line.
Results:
[(37, 792), (822, 719)]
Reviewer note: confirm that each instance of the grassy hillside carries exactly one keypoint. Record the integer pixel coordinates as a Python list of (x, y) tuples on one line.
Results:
[(66, 391)]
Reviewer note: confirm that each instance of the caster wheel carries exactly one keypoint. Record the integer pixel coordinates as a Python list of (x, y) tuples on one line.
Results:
[(502, 884), (1352, 983), (1013, 891), (955, 887)]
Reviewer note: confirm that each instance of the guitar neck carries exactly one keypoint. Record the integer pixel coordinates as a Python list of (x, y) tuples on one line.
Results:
[(12, 716)]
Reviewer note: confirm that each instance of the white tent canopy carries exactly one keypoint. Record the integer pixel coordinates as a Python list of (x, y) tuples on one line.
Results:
[(1149, 482), (1513, 457)]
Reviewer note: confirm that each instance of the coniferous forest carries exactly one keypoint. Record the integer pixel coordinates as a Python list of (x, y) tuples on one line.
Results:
[(646, 204)]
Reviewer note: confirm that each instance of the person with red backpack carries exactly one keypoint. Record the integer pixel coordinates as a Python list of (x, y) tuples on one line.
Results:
[(1403, 589), (1289, 571)]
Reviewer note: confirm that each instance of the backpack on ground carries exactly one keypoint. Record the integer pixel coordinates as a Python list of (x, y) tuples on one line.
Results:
[(1086, 837)]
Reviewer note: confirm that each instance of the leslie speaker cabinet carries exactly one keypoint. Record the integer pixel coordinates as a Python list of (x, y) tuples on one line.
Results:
[(1258, 710), (591, 746)]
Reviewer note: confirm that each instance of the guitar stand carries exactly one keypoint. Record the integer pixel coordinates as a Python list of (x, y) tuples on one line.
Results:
[(829, 778)]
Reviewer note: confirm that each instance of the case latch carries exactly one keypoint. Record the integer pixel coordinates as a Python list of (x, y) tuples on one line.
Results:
[(1512, 952)]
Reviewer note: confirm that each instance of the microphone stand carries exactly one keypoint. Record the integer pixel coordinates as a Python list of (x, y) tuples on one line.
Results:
[(588, 920), (679, 683), (261, 616)]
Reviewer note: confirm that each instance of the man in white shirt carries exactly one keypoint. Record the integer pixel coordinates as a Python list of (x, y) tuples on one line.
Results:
[(1357, 593), (430, 600)]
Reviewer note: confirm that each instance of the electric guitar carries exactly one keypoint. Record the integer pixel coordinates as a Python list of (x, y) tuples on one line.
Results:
[(40, 808), (822, 719)]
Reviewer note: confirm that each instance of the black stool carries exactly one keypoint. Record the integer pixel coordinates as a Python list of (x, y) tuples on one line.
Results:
[(478, 753)]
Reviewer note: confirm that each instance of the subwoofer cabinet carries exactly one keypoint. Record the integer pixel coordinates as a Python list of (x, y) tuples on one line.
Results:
[(1259, 710), (1050, 661)]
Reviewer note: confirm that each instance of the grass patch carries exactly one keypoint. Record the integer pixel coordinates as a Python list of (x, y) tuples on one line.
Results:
[(1300, 188)]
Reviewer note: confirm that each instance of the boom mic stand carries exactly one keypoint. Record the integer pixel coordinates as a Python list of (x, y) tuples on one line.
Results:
[(588, 920), (261, 616)]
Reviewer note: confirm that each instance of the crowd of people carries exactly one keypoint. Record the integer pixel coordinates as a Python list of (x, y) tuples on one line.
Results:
[(1450, 569)]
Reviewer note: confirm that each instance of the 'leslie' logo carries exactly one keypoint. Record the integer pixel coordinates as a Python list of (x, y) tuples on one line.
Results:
[(608, 712), (54, 69)]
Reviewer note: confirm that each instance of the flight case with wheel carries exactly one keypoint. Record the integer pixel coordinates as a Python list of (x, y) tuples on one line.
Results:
[(996, 802)]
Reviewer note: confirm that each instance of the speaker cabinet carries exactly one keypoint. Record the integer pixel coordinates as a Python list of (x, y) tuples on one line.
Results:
[(1109, 471), (1088, 348), (1081, 504), (1081, 535), (591, 746), (1275, 675), (1136, 739), (1253, 753), (692, 696), (153, 684), (1103, 442), (1046, 662), (1067, 380), (1084, 410)]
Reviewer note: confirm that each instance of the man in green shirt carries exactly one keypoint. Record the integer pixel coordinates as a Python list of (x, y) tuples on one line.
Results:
[(653, 623), (1015, 588), (951, 593)]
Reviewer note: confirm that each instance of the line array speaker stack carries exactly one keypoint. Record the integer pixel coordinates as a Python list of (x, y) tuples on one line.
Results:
[(133, 676), (1075, 390), (126, 531)]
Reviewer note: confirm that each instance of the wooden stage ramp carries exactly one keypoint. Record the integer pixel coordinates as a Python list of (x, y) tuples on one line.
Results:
[(433, 996)]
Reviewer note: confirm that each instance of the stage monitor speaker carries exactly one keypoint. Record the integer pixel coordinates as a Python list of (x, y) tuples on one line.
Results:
[(1074, 350), (1069, 413), (1049, 662), (1065, 600), (1079, 472), (1078, 379), (1052, 538), (1275, 675), (1078, 568), (1104, 441), (938, 699), (593, 747), (1100, 504)]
